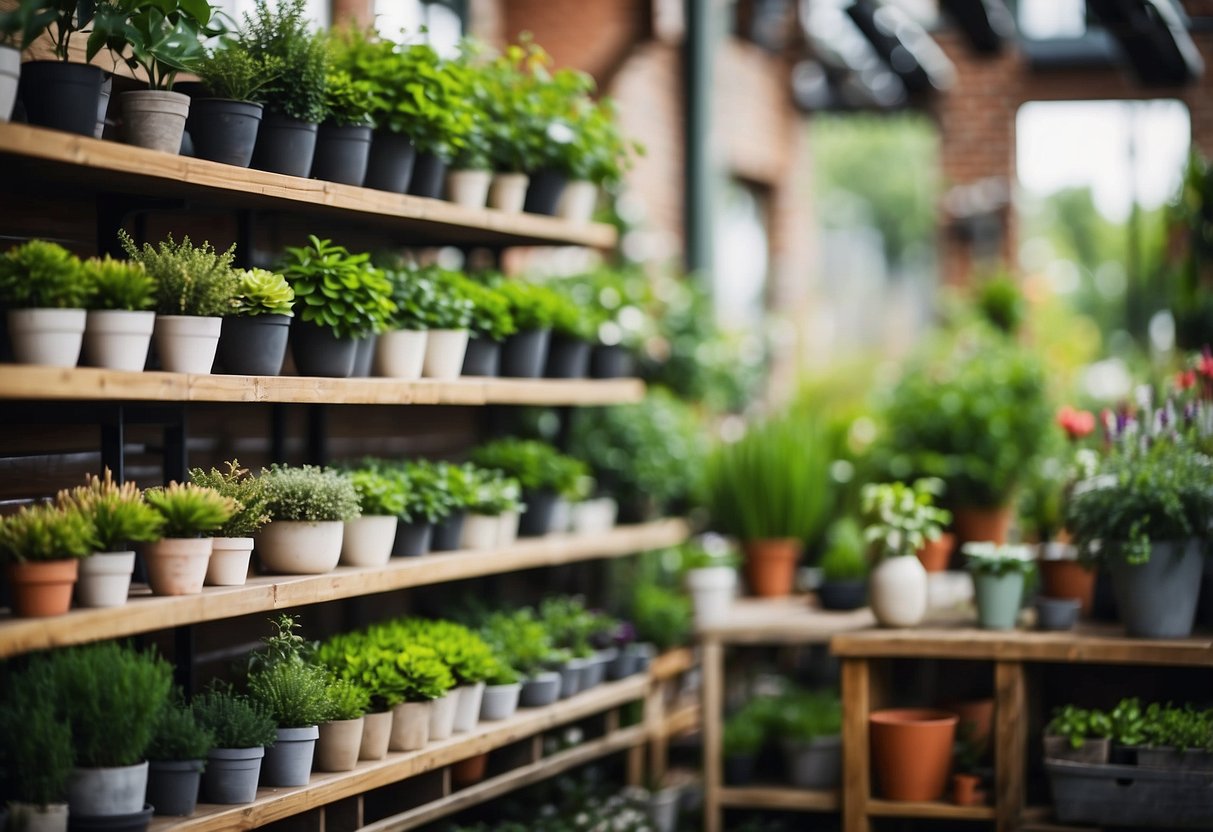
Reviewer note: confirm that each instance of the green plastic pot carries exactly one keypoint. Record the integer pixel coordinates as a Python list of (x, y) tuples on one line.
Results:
[(999, 598)]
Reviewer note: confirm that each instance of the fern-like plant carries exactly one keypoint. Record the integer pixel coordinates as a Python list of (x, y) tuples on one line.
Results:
[(41, 275), (233, 720), (118, 284), (293, 693), (191, 280), (262, 292), (247, 491), (190, 510), (231, 71), (117, 513), (282, 33)]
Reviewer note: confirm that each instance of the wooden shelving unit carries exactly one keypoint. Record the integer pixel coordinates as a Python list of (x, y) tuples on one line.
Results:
[(778, 798)]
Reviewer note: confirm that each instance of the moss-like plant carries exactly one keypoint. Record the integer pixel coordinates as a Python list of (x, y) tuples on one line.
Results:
[(190, 510), (233, 720), (118, 284), (338, 290), (309, 494), (41, 275), (247, 491), (281, 33), (178, 736), (293, 693), (231, 71), (347, 700), (117, 513), (42, 533), (191, 280), (262, 292)]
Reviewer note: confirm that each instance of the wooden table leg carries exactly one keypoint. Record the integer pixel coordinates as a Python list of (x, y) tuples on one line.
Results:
[(713, 716), (1010, 744), (856, 768)]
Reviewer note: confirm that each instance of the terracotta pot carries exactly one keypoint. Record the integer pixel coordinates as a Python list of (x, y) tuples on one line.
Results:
[(44, 588), (177, 565), (1069, 579), (770, 566), (965, 791), (978, 524), (376, 731), (470, 771), (912, 752), (410, 726), (338, 746), (935, 554), (978, 715)]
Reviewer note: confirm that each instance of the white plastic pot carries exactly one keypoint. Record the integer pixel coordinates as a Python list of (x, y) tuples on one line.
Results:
[(400, 353), (155, 119), (102, 792), (410, 726), (562, 516), (118, 339), (10, 76), (442, 716), (297, 547), (712, 590), (508, 192), (187, 343), (469, 188), (105, 579), (480, 532), (595, 516), (444, 351), (499, 702), (507, 532), (229, 561), (577, 201), (368, 540), (51, 337), (467, 706), (897, 592)]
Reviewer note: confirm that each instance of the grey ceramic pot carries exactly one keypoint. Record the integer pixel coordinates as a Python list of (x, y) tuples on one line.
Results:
[(172, 786), (1157, 599), (1057, 613), (541, 690), (232, 774), (288, 762)]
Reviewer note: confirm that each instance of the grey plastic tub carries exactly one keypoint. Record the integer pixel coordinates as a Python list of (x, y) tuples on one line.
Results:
[(1131, 796)]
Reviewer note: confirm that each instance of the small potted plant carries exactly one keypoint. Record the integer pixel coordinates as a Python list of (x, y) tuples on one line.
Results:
[(998, 578), (400, 352), (177, 563), (710, 571), (37, 758), (436, 116), (501, 694), (224, 124), (966, 782), (19, 27), (253, 338), (491, 324), (460, 482), (1177, 738), (569, 625), (844, 568), (60, 93), (308, 507), (663, 618), (427, 501), (44, 289), (544, 473), (424, 678), (573, 330), (447, 319), (597, 158), (232, 545), (526, 645), (899, 520), (514, 122), (194, 289), (241, 730), (524, 354), (118, 517), (495, 497), (742, 737), (809, 725), (471, 169), (120, 303), (1078, 735), (370, 665), (470, 660), (565, 93), (343, 142), (368, 538), (176, 759), (43, 545), (340, 737)]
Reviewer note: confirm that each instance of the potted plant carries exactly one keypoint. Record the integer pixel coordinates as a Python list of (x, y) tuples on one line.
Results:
[(340, 737), (37, 759), (43, 545), (662, 618), (120, 303), (117, 517), (495, 497), (177, 563), (294, 98), (224, 124), (900, 519), (308, 507), (1177, 738), (401, 350), (562, 94), (770, 490), (447, 318), (59, 93), (998, 578), (544, 473), (340, 298), (570, 625), (573, 329), (742, 737), (524, 354), (460, 483), (436, 115), (368, 538), (176, 759), (471, 169), (367, 659), (810, 727), (232, 545), (427, 501), (912, 750), (44, 288), (19, 26), (194, 289), (966, 781), (491, 324), (514, 121), (253, 338), (710, 571), (471, 663), (241, 730), (424, 678), (597, 158), (844, 568), (1078, 735), (526, 645), (501, 693), (343, 142)]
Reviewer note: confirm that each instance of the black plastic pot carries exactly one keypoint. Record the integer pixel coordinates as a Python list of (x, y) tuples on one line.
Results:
[(611, 362), (567, 357), (636, 509), (342, 151), (739, 769), (223, 130), (365, 355), (447, 533), (543, 194), (537, 519), (285, 145), (317, 352), (524, 353), (412, 539), (172, 786), (137, 822), (429, 176), (389, 166), (483, 357), (843, 595), (61, 95), (1057, 614), (253, 346)]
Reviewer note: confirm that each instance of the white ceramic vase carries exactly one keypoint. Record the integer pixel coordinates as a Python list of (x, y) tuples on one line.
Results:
[(712, 590), (897, 592)]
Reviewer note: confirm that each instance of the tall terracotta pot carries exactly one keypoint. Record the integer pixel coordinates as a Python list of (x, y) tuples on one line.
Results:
[(972, 523), (935, 554), (912, 752), (1069, 579), (770, 565)]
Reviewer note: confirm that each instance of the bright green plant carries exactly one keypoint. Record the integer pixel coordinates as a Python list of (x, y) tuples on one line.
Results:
[(429, 298), (569, 624), (42, 275), (468, 656), (25, 21), (506, 95), (178, 736), (573, 321), (293, 693), (495, 494), (349, 102), (347, 700), (743, 735), (309, 494), (42, 533), (117, 514), (231, 71), (190, 510), (262, 292), (987, 558), (1184, 728), (338, 290), (1128, 722), (804, 715), (189, 280), (389, 663), (532, 306), (706, 553), (37, 756), (118, 284), (536, 465), (491, 316), (233, 720), (378, 494), (843, 559), (1001, 303), (163, 38), (284, 644), (247, 491), (281, 33), (900, 519), (426, 491), (661, 616), (520, 639)]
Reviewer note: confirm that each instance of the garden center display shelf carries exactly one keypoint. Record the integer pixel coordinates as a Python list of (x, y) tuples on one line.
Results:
[(39, 157), (149, 613), (29, 382)]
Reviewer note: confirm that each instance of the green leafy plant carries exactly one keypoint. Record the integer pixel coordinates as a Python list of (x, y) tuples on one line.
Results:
[(520, 639), (262, 292), (989, 558), (190, 510), (494, 493), (346, 700), (536, 465), (190, 280), (427, 493), (178, 736), (491, 316), (569, 624), (742, 735), (531, 305), (117, 514), (1128, 723), (661, 616), (349, 102), (284, 644), (42, 275), (24, 22), (309, 494), (72, 17), (233, 720), (900, 519), (293, 693), (802, 715), (280, 34), (338, 290), (163, 38), (378, 494), (468, 656), (843, 559), (245, 490), (118, 284), (429, 298), (37, 756), (232, 71), (42, 533), (1183, 728)]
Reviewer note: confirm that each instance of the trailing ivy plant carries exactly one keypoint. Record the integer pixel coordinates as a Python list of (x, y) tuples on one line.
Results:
[(42, 275), (281, 33), (190, 280), (338, 290)]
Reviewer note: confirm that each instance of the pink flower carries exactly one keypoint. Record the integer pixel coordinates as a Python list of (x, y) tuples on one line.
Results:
[(1076, 423)]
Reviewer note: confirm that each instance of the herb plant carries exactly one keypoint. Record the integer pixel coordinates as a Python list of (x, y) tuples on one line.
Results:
[(467, 655), (247, 491), (293, 693), (338, 290), (1128, 723), (178, 736), (569, 624), (843, 559), (262, 292), (118, 284), (536, 465), (346, 700), (429, 298), (309, 494), (232, 71), (491, 316), (999, 559), (234, 720), (1183, 728), (348, 101), (902, 518), (190, 280), (190, 510), (378, 494), (117, 514), (43, 533), (280, 34), (41, 275)]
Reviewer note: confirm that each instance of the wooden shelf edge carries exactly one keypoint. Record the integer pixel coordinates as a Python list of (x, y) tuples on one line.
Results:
[(673, 662), (276, 804), (927, 809), (264, 594), (174, 175), (681, 721), (779, 798)]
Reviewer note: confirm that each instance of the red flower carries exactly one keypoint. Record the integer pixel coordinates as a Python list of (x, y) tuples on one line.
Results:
[(1076, 423), (1185, 379), (1204, 365)]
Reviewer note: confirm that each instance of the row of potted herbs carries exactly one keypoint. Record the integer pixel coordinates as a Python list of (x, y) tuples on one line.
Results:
[(806, 726), (340, 315), (347, 106)]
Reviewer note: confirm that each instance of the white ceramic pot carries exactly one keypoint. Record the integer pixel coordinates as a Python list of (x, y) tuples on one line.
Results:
[(103, 792), (177, 565), (442, 716), (663, 809), (577, 201), (444, 351), (368, 540), (507, 532), (10, 76), (1058, 551), (376, 733), (297, 547), (480, 532), (155, 119), (469, 188), (229, 561), (712, 590), (500, 702), (467, 707), (400, 353), (51, 337), (410, 726), (32, 818), (595, 516), (562, 516), (897, 592), (187, 343), (338, 745), (105, 579), (508, 192), (118, 339)]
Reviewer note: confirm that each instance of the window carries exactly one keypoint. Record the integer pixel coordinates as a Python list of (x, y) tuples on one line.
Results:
[(320, 11), (442, 21), (1052, 19), (742, 257)]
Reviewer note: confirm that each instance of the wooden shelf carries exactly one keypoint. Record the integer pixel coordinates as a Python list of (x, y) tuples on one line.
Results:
[(779, 798), (38, 156), (33, 383), (784, 621), (148, 613), (928, 809), (276, 804), (673, 663)]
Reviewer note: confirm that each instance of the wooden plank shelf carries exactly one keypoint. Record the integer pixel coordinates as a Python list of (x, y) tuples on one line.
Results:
[(927, 810), (779, 798), (277, 804), (38, 156), (147, 613), (34, 383), (794, 620)]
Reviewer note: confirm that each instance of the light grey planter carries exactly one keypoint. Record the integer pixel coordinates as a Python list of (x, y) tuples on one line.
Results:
[(172, 786), (643, 654), (467, 706), (663, 809), (1157, 599), (499, 702), (571, 676), (623, 665), (101, 792), (596, 668), (232, 774), (541, 690), (816, 764), (288, 762)]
